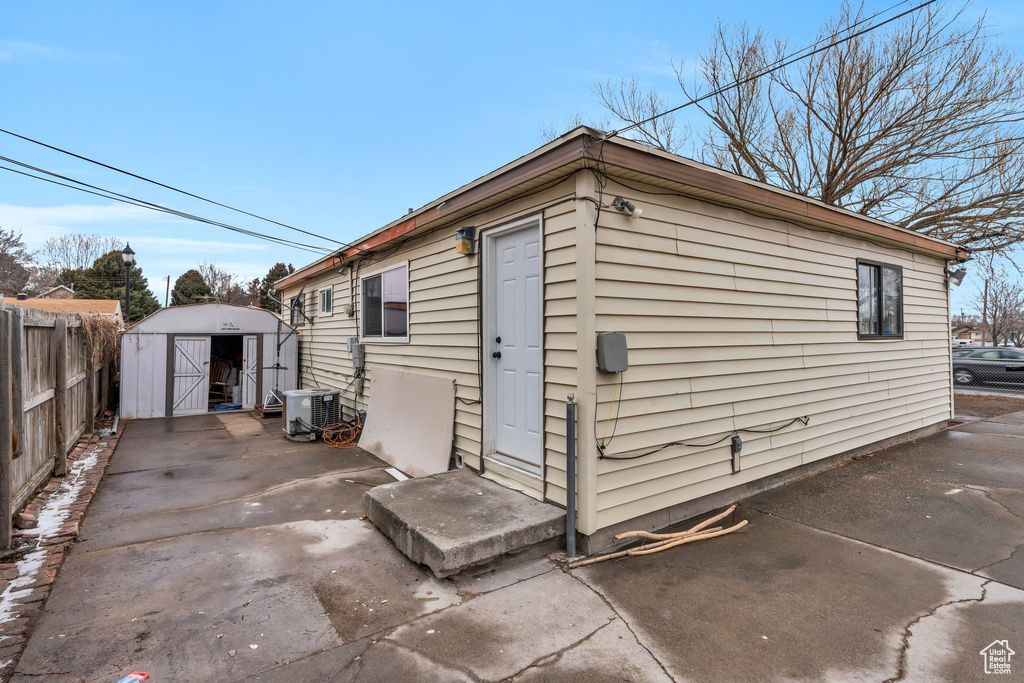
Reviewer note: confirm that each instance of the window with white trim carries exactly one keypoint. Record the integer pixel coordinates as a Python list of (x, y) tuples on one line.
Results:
[(879, 300), (385, 304), (325, 301), (297, 305)]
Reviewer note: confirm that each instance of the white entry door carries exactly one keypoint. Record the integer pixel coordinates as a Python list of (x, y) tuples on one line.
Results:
[(250, 370), (191, 375), (515, 347)]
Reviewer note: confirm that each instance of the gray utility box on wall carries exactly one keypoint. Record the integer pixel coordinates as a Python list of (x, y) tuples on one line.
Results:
[(612, 354)]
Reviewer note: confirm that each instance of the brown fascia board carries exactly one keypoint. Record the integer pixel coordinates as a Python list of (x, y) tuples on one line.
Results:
[(584, 142), (731, 189)]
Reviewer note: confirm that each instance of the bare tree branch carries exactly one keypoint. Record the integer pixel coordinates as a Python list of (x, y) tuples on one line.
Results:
[(919, 123)]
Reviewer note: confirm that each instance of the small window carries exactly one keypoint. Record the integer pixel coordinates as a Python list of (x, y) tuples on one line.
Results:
[(297, 306), (325, 299), (879, 300), (385, 305), (1007, 354)]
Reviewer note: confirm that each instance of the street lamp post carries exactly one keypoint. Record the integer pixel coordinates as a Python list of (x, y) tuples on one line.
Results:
[(129, 258)]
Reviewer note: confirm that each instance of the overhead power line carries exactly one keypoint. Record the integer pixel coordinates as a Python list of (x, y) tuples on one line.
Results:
[(785, 61), (141, 203), (164, 185)]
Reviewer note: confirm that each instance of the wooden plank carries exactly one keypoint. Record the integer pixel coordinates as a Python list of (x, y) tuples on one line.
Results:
[(5, 430), (60, 418), (17, 383), (38, 399), (72, 381)]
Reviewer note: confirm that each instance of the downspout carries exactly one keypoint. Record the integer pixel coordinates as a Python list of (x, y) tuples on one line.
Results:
[(570, 477)]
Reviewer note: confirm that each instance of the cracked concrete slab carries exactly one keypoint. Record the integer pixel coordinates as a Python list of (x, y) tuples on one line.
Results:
[(322, 667), (110, 611), (931, 499), (174, 450), (1011, 419), (611, 654), (131, 511), (372, 587), (777, 600), (505, 575), (991, 427), (387, 662), (946, 645), (163, 426), (502, 633)]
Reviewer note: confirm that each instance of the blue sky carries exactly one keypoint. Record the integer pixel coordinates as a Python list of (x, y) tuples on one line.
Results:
[(333, 117)]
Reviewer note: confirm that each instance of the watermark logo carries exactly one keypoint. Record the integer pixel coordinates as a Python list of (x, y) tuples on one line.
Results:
[(997, 657)]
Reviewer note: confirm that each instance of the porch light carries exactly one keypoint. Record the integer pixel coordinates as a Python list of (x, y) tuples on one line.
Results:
[(956, 277), (464, 242)]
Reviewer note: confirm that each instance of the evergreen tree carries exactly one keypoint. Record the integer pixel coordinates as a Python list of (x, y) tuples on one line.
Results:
[(190, 288), (276, 272), (105, 280)]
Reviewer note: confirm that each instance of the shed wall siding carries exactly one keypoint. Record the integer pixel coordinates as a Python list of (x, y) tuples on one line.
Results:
[(737, 321), (443, 329)]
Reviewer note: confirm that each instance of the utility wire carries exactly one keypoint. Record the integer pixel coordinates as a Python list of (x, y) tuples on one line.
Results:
[(781, 63), (141, 203), (165, 186)]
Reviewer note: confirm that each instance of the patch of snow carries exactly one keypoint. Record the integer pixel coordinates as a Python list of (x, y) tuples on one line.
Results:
[(953, 491), (54, 513)]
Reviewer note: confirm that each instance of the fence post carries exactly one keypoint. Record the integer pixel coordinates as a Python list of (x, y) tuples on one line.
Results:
[(60, 374), (5, 430), (17, 382), (90, 386), (104, 385)]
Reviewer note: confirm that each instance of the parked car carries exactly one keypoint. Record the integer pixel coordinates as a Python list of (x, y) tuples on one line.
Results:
[(988, 365)]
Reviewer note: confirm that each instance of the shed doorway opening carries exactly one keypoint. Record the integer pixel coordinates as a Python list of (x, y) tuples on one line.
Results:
[(214, 373)]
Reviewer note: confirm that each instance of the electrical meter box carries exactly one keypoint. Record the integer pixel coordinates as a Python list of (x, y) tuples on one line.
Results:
[(612, 354), (356, 349)]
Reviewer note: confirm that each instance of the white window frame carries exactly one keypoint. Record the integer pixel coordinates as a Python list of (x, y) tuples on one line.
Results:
[(408, 304), (320, 313)]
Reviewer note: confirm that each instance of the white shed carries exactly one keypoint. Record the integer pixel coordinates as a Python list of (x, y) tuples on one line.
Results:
[(184, 360)]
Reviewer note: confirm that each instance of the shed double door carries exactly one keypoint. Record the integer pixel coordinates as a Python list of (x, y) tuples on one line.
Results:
[(191, 375), (250, 370)]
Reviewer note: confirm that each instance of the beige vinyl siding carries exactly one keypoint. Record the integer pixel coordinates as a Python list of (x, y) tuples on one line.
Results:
[(738, 321), (559, 340), (443, 333)]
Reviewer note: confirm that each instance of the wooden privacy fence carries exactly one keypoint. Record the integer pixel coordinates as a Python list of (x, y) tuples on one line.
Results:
[(52, 384)]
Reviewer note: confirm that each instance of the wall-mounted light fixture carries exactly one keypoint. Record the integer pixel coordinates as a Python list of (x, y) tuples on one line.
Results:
[(626, 206), (464, 242), (956, 277)]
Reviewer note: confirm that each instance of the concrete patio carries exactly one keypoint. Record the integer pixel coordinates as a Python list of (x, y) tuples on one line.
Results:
[(212, 535)]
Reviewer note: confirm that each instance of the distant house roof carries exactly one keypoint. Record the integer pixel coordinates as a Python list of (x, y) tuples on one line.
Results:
[(60, 291), (100, 306)]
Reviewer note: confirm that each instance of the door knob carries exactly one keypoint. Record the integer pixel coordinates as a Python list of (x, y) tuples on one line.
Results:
[(496, 354)]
